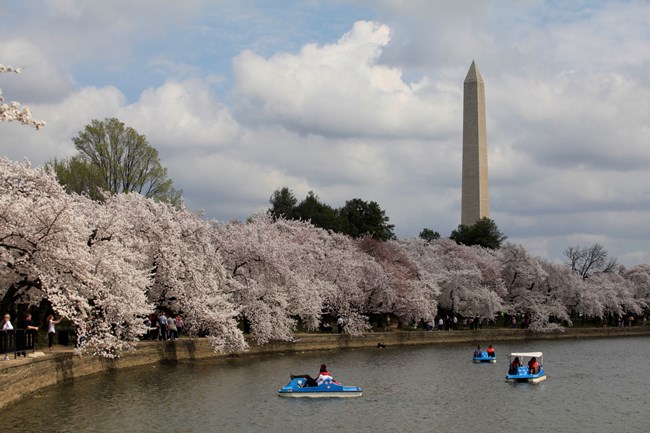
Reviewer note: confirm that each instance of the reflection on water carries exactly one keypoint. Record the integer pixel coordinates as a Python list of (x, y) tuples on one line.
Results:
[(593, 386)]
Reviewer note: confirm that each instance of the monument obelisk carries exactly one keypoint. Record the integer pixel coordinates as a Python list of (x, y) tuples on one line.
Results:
[(475, 203)]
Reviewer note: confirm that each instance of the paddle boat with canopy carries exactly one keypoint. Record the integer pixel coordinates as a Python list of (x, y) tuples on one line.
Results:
[(520, 371)]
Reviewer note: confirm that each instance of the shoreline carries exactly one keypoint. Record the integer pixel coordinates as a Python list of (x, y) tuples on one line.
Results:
[(21, 377)]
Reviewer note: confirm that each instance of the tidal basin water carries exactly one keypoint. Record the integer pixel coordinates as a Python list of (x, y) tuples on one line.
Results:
[(600, 385)]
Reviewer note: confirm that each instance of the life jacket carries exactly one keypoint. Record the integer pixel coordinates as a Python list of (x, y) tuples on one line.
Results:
[(323, 376)]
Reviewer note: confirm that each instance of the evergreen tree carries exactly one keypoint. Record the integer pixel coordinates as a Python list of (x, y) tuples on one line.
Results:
[(484, 233), (362, 218), (429, 235), (283, 204), (319, 214)]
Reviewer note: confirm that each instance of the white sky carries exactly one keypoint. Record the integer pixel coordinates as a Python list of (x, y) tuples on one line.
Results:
[(358, 99)]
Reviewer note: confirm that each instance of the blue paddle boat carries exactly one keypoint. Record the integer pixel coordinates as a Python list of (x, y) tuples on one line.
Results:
[(483, 356), (329, 388), (520, 367)]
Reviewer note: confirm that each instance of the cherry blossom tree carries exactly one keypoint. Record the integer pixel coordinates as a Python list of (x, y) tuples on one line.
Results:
[(109, 312), (335, 272), (104, 266), (525, 279), (261, 264), (45, 244), (290, 270), (184, 267), (639, 278), (609, 294), (34, 211), (424, 255), (564, 289), (470, 281), (406, 295), (13, 111)]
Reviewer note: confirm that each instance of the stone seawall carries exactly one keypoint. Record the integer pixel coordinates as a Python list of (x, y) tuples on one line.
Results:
[(19, 378)]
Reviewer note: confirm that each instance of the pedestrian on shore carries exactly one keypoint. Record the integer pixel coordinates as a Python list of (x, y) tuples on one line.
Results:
[(162, 320), (340, 324), (51, 330), (179, 325), (171, 327), (6, 326), (154, 327), (6, 323), (30, 328), (29, 323)]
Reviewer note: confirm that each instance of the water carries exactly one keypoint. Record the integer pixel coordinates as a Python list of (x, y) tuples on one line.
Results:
[(593, 386)]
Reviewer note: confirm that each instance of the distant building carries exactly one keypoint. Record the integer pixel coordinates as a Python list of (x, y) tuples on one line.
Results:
[(475, 203)]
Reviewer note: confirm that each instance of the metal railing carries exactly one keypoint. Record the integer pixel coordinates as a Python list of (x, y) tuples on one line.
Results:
[(16, 341)]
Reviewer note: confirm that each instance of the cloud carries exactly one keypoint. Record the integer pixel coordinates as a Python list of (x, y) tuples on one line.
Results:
[(76, 30), (340, 90), (182, 117), (65, 118), (40, 79)]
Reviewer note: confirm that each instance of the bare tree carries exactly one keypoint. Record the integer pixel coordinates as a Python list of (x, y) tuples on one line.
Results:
[(586, 261)]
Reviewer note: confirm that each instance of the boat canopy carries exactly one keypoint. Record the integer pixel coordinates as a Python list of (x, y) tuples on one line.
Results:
[(527, 354)]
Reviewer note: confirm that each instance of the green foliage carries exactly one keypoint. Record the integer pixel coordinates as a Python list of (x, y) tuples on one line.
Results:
[(357, 218), (115, 158), (320, 214), (79, 176), (361, 218), (283, 204), (429, 235), (484, 233)]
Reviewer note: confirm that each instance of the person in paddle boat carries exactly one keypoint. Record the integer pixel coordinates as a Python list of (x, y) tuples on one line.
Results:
[(490, 351), (323, 375), (533, 366), (477, 352), (514, 365)]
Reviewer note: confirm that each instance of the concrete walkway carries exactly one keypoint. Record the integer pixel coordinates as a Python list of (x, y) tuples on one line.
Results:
[(31, 356)]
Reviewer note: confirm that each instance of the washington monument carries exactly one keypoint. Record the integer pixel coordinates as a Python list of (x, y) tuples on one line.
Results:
[(475, 202)]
